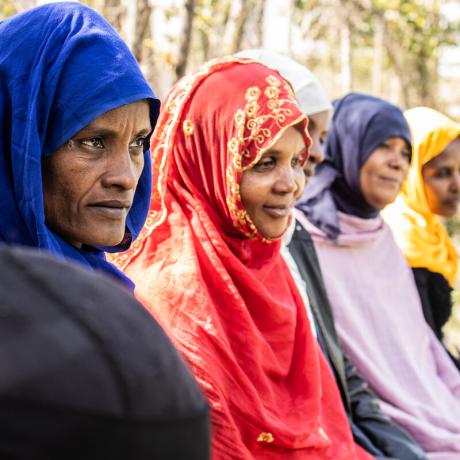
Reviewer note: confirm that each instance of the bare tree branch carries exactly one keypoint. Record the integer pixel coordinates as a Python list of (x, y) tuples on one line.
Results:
[(184, 49)]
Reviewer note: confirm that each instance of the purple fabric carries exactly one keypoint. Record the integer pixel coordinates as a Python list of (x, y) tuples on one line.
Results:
[(360, 124), (381, 326)]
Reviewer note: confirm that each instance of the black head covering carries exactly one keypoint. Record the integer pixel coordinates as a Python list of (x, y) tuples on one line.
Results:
[(86, 373)]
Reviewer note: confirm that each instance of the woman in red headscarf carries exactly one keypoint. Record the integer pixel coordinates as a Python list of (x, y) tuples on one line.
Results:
[(227, 166)]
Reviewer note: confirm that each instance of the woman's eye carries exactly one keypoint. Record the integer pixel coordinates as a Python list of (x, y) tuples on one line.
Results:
[(407, 155), (265, 164), (138, 143), (444, 172), (93, 142), (297, 161)]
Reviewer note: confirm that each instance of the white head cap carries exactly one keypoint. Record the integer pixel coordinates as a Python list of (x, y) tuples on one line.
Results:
[(308, 90)]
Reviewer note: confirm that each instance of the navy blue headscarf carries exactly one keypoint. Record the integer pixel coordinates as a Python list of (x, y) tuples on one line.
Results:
[(61, 66), (360, 124)]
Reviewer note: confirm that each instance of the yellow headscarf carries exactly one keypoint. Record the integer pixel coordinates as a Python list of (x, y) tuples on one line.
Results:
[(418, 231)]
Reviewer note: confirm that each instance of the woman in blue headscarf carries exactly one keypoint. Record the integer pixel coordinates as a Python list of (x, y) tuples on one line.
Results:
[(75, 115)]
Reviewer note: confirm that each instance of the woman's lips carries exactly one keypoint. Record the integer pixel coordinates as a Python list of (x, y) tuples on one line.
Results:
[(452, 202), (390, 180), (278, 211), (112, 209)]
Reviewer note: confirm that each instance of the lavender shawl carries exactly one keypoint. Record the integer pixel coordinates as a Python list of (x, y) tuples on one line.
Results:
[(380, 323)]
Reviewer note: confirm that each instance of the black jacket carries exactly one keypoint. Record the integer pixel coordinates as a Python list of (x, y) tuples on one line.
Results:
[(435, 294), (372, 429)]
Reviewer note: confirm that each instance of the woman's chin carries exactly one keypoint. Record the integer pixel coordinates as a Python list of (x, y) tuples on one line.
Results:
[(275, 233), (96, 241)]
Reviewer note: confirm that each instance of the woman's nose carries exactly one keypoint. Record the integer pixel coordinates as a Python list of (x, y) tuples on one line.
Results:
[(287, 180), (455, 185), (398, 160), (316, 153), (120, 170)]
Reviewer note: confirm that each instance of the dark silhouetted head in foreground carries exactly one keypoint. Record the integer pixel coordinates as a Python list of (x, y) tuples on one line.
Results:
[(86, 372)]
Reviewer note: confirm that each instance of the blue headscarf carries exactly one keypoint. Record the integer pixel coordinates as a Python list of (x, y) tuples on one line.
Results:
[(360, 124), (61, 66)]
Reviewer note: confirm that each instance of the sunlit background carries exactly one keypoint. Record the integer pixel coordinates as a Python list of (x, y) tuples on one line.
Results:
[(407, 51)]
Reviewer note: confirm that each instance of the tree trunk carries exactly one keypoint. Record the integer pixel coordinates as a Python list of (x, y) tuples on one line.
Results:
[(216, 36), (113, 11), (142, 30), (239, 26), (260, 23), (345, 57), (427, 74), (377, 69), (186, 39), (128, 28), (402, 73)]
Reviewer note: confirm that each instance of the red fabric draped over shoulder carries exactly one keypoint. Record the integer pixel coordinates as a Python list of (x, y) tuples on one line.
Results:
[(221, 289)]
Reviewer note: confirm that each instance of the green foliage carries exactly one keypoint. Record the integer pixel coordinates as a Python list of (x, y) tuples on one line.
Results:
[(415, 32), (420, 29), (6, 9)]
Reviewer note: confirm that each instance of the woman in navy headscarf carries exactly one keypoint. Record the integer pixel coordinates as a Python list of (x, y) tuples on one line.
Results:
[(75, 116), (362, 126)]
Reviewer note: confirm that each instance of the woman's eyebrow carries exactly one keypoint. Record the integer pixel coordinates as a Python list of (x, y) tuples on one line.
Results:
[(95, 130), (144, 131), (107, 132), (279, 152)]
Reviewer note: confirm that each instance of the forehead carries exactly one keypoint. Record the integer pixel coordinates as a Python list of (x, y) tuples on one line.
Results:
[(292, 140), (451, 154), (320, 120), (398, 141), (136, 114)]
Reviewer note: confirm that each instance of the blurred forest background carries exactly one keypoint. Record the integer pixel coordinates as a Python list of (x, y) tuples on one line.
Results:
[(407, 51)]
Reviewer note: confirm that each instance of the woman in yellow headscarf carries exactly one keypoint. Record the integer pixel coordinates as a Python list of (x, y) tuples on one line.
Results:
[(432, 189)]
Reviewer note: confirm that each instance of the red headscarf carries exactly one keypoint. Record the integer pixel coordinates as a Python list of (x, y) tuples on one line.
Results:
[(219, 287)]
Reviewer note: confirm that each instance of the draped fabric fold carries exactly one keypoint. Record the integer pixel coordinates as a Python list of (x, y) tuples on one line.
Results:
[(380, 323), (220, 288), (61, 66)]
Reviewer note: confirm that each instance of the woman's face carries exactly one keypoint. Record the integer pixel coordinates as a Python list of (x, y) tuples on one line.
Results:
[(271, 187), (383, 173), (90, 181), (318, 125), (441, 177)]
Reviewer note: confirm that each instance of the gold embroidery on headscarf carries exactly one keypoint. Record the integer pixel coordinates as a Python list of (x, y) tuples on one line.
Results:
[(253, 93), (246, 121), (188, 128), (265, 437)]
